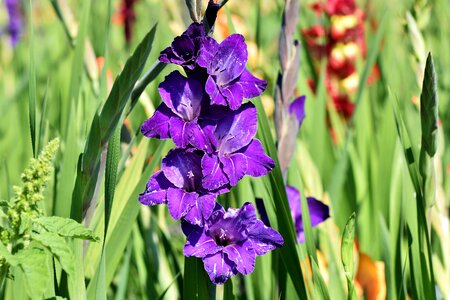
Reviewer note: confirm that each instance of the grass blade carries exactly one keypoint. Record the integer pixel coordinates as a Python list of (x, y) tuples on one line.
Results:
[(278, 209)]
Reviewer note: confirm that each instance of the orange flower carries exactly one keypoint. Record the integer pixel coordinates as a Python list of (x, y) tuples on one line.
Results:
[(370, 279)]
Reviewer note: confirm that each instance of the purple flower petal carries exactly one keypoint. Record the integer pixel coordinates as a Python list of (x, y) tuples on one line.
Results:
[(264, 238), (252, 86), (231, 227), (259, 164), (237, 129), (207, 52), (234, 93), (183, 169), (219, 267), (195, 30), (230, 59), (235, 167), (293, 196), (156, 190), (180, 131), (182, 95), (184, 49), (229, 241), (318, 212), (214, 92), (158, 125), (198, 243), (180, 202), (201, 210), (243, 255), (214, 177), (297, 108), (199, 139)]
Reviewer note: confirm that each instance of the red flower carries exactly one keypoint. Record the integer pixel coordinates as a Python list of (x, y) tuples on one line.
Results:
[(340, 44)]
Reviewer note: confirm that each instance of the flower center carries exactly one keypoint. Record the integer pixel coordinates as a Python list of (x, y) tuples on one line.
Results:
[(190, 182), (222, 237)]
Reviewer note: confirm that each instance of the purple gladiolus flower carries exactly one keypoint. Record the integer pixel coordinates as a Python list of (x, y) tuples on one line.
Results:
[(14, 27), (236, 153), (297, 108), (185, 48), (230, 241), (177, 117), (229, 82), (179, 185), (318, 212)]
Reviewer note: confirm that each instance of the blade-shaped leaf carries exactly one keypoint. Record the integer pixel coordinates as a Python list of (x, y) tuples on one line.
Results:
[(347, 254), (123, 86), (279, 207)]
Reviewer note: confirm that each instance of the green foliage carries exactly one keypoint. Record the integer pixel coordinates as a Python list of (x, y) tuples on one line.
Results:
[(347, 256), (29, 239), (66, 228)]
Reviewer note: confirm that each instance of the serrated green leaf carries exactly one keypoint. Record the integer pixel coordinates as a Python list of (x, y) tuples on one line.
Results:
[(35, 269), (4, 253), (58, 247), (66, 228)]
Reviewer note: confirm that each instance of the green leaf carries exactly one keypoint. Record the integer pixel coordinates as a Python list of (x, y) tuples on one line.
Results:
[(228, 290), (32, 86), (429, 108), (35, 269), (58, 247), (148, 77), (195, 280), (66, 228), (347, 254), (319, 283), (123, 86), (112, 162), (4, 253), (278, 207), (77, 66), (108, 120)]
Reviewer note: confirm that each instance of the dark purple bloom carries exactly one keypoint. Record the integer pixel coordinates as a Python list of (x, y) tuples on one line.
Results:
[(177, 117), (230, 241), (318, 212), (297, 109), (15, 20), (229, 82), (185, 48), (235, 152), (179, 185)]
